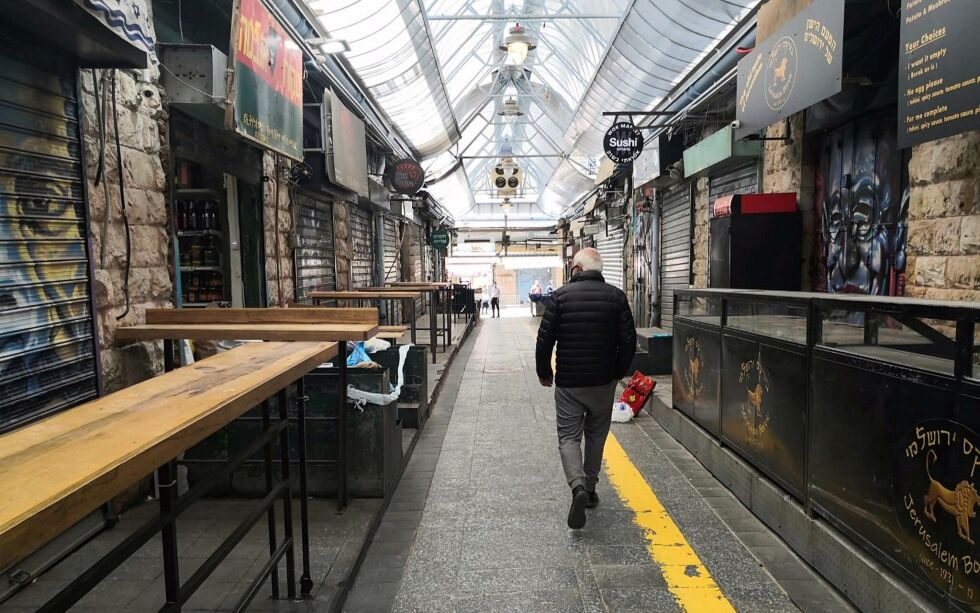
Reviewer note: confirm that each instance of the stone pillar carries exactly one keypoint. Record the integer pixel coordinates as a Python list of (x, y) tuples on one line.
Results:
[(343, 248), (278, 223), (142, 133), (699, 266), (944, 219)]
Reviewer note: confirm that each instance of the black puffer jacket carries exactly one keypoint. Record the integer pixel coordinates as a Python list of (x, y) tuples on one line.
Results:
[(593, 325)]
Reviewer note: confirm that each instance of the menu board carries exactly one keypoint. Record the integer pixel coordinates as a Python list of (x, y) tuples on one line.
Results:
[(938, 92)]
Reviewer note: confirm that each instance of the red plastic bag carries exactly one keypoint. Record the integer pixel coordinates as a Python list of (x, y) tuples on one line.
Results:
[(637, 392)]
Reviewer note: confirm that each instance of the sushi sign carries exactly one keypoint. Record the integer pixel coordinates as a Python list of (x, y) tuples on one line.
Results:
[(623, 142)]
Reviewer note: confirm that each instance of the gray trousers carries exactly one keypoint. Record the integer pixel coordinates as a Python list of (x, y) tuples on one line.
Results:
[(583, 410)]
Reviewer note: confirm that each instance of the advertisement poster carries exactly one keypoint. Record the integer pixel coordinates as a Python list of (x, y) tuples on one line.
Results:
[(267, 84)]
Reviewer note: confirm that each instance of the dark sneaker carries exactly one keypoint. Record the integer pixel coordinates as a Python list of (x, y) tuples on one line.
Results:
[(576, 514), (593, 501)]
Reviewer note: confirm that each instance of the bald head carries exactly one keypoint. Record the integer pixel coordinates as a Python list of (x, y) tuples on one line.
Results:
[(588, 259)]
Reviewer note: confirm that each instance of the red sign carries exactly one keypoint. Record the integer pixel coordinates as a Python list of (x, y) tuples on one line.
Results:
[(264, 46), (406, 176)]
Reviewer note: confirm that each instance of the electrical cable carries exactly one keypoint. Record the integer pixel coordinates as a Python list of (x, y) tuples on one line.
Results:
[(186, 84), (122, 197)]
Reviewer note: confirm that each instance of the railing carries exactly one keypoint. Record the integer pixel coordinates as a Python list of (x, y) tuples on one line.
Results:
[(864, 409)]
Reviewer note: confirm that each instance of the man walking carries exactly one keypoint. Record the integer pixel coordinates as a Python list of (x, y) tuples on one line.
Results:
[(495, 299), (592, 324)]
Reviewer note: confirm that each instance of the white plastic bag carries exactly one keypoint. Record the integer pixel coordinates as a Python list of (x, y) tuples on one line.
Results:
[(622, 413), (376, 344)]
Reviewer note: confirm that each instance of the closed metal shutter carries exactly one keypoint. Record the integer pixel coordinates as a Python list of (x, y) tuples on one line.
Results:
[(392, 256), (47, 346), (610, 246), (675, 260), (742, 179), (362, 238), (314, 252)]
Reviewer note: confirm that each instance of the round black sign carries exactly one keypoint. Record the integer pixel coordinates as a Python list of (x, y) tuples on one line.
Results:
[(406, 176), (936, 471), (623, 142)]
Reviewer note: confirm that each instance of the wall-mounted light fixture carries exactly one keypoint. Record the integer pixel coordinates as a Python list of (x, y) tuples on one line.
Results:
[(330, 46), (510, 108)]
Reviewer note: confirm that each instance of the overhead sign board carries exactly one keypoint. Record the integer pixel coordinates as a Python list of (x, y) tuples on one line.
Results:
[(938, 83), (796, 67), (347, 149), (439, 239), (623, 142), (266, 82), (406, 177)]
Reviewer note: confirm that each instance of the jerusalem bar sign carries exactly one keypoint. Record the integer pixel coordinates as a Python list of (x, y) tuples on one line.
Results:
[(939, 82), (267, 81), (796, 67)]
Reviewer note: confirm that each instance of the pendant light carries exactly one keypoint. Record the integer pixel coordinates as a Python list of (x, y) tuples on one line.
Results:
[(517, 45)]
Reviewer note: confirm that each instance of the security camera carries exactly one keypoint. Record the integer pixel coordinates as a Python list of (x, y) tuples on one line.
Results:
[(736, 124)]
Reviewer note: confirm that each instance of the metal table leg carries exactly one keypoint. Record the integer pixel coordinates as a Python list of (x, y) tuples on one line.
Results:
[(433, 337), (411, 310), (306, 581), (167, 479), (287, 496), (342, 434), (267, 448)]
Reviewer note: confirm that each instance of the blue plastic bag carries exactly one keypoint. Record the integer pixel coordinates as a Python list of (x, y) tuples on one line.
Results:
[(358, 355)]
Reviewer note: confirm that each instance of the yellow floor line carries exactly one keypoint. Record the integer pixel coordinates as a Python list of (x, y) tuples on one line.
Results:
[(686, 577)]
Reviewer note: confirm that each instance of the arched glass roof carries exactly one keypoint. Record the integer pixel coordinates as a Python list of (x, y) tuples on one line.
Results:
[(435, 69)]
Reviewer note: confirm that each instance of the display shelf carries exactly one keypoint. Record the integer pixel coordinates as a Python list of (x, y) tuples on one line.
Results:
[(193, 233), (195, 192), (200, 269)]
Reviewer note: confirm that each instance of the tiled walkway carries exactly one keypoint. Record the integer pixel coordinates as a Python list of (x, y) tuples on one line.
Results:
[(478, 522)]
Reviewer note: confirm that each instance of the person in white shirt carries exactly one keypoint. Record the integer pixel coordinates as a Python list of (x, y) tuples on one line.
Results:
[(495, 299)]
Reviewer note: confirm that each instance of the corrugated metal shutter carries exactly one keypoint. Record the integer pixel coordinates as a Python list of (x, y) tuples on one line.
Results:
[(362, 237), (743, 179), (610, 247), (675, 262), (392, 256), (314, 253), (47, 349)]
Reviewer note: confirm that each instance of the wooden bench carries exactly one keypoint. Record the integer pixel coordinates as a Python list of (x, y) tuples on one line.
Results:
[(392, 333), (60, 469), (275, 324)]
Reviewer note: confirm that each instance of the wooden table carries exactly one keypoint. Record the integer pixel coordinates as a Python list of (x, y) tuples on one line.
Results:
[(272, 324), (60, 469), (361, 295)]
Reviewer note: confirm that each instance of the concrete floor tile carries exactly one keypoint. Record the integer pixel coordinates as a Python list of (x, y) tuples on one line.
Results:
[(628, 576), (639, 599), (552, 601), (504, 580)]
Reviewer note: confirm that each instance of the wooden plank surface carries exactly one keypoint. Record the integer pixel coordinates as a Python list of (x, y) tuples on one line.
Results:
[(60, 469), (420, 283), (262, 316), (373, 294), (255, 332)]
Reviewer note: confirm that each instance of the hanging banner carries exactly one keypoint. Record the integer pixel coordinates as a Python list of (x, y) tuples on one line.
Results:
[(623, 142), (406, 177), (267, 81), (129, 19), (938, 83), (796, 67)]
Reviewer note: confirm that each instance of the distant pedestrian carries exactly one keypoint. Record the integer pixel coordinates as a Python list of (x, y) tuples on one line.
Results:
[(551, 288), (495, 299), (592, 324), (485, 298)]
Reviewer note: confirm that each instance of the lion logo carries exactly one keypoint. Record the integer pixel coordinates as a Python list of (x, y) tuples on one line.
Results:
[(781, 73), (960, 502), (756, 379), (692, 375)]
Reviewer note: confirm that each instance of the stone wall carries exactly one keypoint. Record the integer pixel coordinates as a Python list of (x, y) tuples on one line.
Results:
[(790, 167), (944, 219), (142, 123), (699, 266), (343, 246), (278, 223)]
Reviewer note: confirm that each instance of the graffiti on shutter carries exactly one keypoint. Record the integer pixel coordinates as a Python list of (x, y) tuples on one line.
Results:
[(47, 349)]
